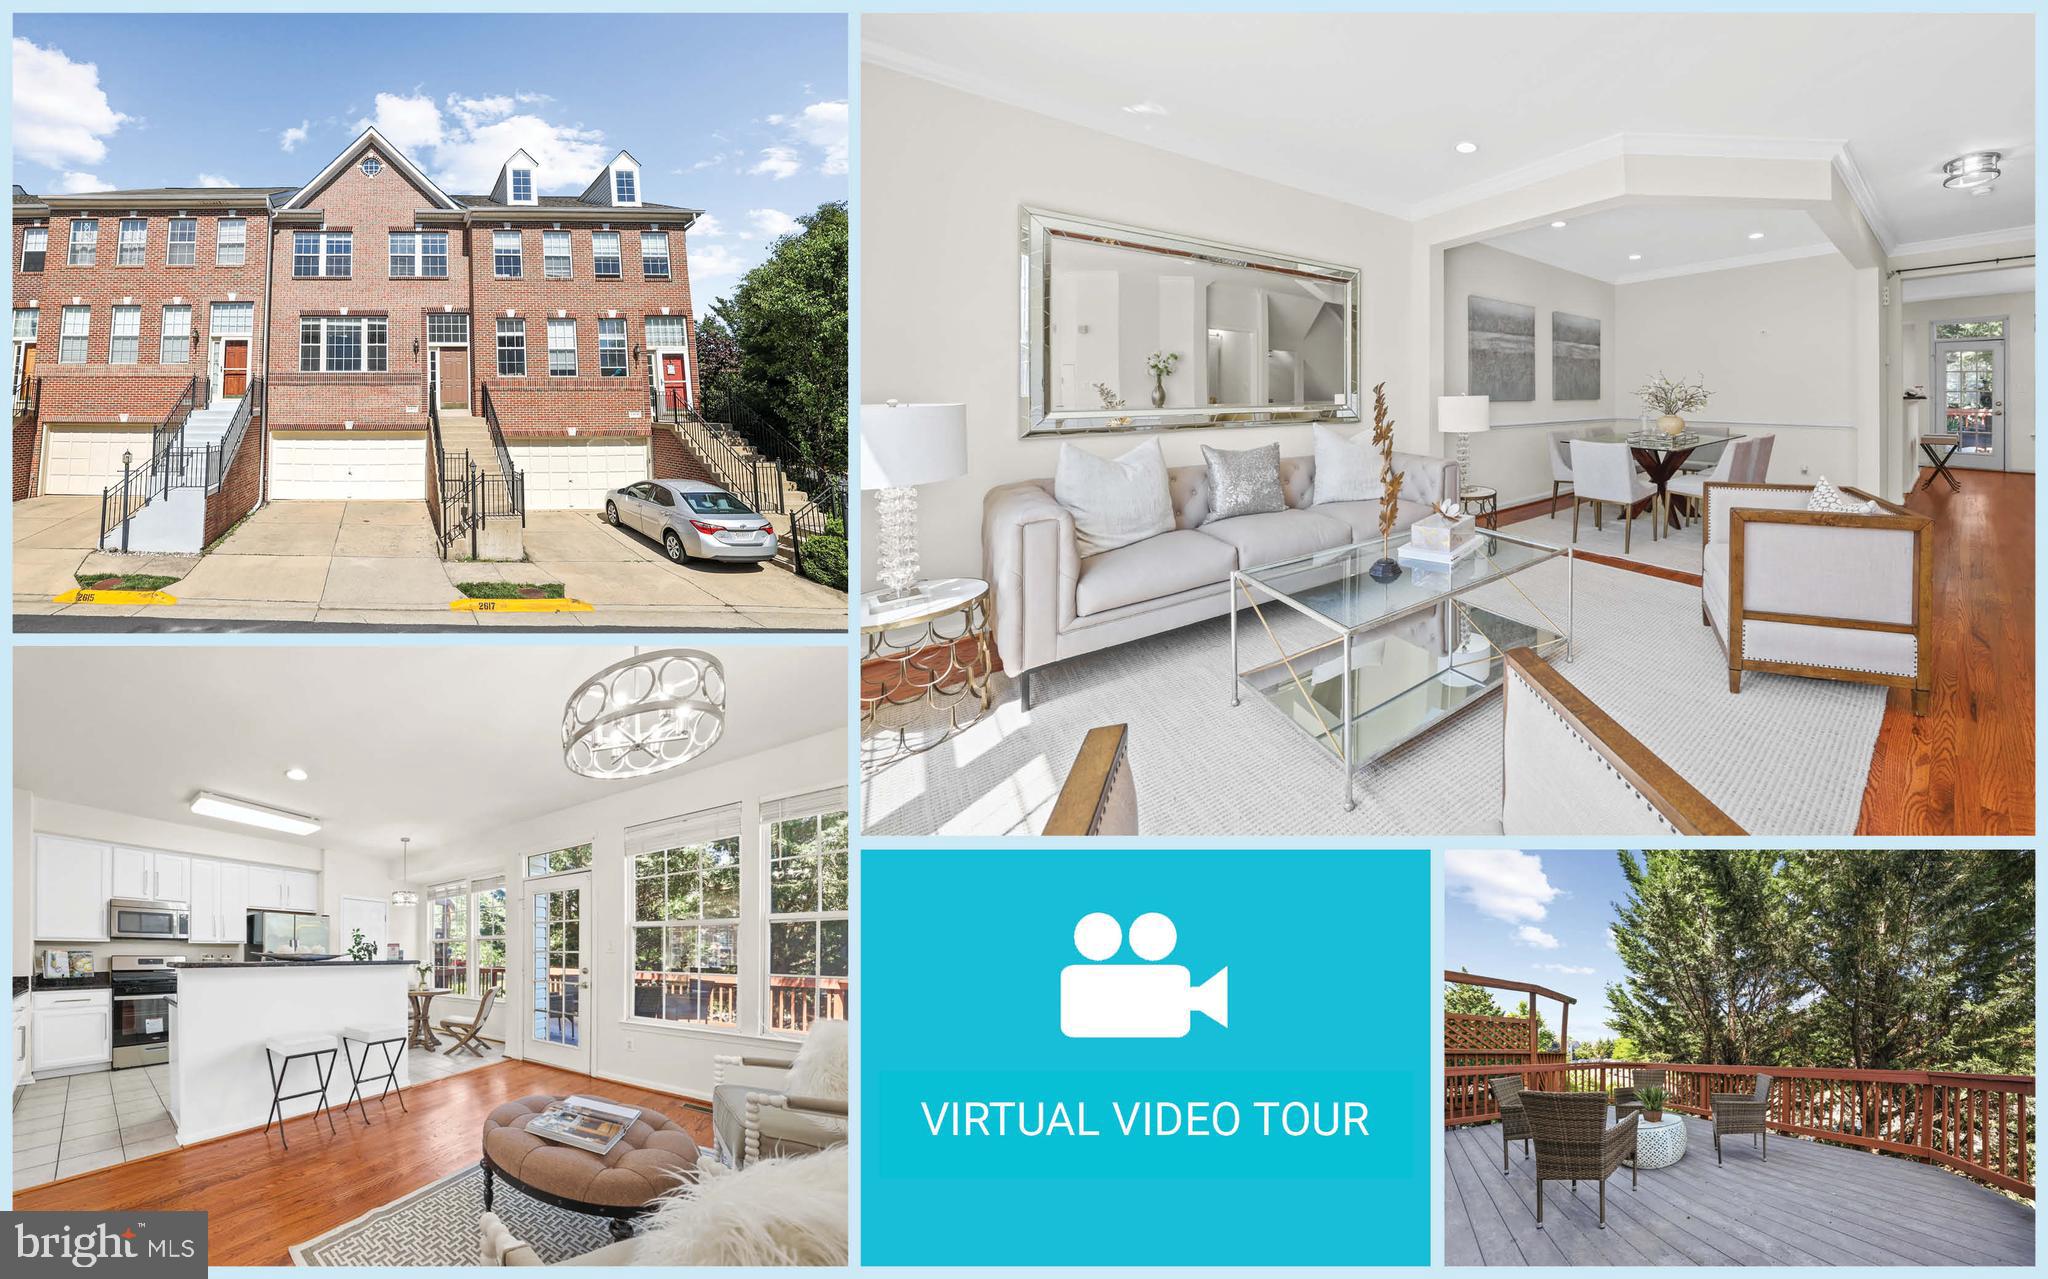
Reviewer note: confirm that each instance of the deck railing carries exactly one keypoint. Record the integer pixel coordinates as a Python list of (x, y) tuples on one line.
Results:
[(1982, 1125)]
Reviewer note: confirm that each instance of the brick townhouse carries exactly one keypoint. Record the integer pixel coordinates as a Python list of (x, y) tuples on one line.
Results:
[(355, 298)]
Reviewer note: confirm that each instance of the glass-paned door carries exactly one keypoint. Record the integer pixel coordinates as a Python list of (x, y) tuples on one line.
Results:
[(1969, 394), (558, 984)]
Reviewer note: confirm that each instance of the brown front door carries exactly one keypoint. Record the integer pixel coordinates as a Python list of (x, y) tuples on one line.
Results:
[(675, 382), (234, 369), (454, 377)]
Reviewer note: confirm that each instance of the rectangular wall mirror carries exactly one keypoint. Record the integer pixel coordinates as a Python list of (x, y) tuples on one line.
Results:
[(1131, 330)]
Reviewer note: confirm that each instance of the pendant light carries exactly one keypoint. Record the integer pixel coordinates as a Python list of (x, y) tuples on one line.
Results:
[(651, 712), (404, 896)]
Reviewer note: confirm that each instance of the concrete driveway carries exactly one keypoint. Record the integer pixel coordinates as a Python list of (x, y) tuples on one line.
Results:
[(376, 562)]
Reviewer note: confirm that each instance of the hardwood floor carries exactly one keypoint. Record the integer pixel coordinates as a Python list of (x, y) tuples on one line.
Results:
[(261, 1198)]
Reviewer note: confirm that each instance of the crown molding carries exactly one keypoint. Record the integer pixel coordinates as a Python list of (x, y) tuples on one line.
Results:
[(1864, 198), (1956, 243), (1793, 254)]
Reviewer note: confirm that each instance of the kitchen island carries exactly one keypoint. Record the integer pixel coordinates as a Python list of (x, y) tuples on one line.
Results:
[(220, 1076)]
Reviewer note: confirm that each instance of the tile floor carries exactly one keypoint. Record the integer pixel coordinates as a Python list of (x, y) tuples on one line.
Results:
[(71, 1124)]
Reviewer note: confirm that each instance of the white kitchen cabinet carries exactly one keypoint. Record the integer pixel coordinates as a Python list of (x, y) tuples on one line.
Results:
[(72, 1028), (233, 902), (70, 888), (301, 890), (151, 876), (205, 901), (266, 888), (24, 1035), (131, 867), (173, 877)]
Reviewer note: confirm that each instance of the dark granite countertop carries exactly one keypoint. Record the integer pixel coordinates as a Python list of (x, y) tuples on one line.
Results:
[(296, 965), (94, 982), (20, 987)]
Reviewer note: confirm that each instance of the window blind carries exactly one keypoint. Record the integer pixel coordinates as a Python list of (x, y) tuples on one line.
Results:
[(810, 804), (456, 889), (491, 885), (704, 827)]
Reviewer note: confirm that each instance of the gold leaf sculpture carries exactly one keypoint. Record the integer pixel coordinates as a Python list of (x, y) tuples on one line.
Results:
[(1390, 479)]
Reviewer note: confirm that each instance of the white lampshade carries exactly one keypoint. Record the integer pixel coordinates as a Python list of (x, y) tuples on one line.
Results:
[(1461, 414), (905, 445)]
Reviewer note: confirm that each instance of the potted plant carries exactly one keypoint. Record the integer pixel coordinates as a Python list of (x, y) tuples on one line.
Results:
[(424, 970), (1160, 363), (1653, 1099), (360, 948), (1672, 398)]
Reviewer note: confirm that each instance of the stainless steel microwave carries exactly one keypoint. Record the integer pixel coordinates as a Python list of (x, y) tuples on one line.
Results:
[(137, 919)]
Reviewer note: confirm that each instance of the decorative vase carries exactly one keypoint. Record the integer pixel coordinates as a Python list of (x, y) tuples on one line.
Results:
[(1158, 390), (1671, 424)]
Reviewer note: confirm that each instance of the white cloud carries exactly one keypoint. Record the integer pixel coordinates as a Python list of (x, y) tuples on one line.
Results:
[(61, 115), (777, 163), (823, 127), (768, 224), (289, 140), (214, 180), (713, 262), (1569, 970), (411, 122), (1503, 883), (471, 112), (465, 145), (711, 162), (707, 227), (1530, 935), (72, 182), (532, 99), (1610, 942)]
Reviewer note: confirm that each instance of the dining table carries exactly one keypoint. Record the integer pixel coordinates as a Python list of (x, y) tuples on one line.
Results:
[(422, 998), (1663, 455)]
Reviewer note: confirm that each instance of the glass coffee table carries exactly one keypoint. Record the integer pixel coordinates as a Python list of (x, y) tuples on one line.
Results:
[(1404, 656)]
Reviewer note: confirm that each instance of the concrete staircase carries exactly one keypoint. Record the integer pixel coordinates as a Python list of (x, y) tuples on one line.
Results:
[(461, 433), (710, 441)]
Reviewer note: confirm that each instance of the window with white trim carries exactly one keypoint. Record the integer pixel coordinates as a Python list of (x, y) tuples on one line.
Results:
[(448, 936), (670, 331), (181, 243), (807, 974), (85, 241), (419, 255), (605, 263), (554, 255), (448, 328), (35, 248), (27, 320), (75, 330), (683, 909), (511, 348), (556, 861), (232, 320), (625, 186), (611, 348), (654, 255), (124, 344), (323, 255), (344, 344), (230, 242), (132, 246), (561, 348), (174, 343), (522, 186), (507, 255)]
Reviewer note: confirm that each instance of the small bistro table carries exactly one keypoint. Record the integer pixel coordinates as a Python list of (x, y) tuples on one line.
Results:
[(1660, 1144), (422, 1029), (924, 657)]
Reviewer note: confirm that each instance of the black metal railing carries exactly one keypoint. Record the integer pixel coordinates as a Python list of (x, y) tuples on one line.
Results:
[(169, 434), (514, 481), (169, 465), (28, 397), (816, 517), (231, 439), (471, 497)]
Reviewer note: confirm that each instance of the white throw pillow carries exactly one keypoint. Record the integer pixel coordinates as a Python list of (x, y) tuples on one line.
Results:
[(1114, 500), (820, 1069), (1347, 469), (1826, 497)]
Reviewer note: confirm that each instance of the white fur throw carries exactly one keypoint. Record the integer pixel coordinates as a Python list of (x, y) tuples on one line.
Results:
[(1347, 470), (777, 1212), (1114, 500), (821, 1069)]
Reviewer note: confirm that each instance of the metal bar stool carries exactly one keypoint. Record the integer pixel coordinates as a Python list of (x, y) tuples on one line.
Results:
[(291, 1049), (380, 1037)]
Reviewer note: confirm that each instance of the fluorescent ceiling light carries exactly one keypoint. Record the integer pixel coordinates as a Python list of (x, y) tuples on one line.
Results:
[(295, 774), (208, 804), (1555, 225), (1467, 148)]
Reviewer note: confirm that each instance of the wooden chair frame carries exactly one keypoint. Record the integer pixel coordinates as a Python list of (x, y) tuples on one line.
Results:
[(1083, 800), (469, 1035)]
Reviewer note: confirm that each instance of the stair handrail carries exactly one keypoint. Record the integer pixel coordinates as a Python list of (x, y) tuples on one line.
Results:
[(223, 459), (167, 435), (741, 475), (515, 484)]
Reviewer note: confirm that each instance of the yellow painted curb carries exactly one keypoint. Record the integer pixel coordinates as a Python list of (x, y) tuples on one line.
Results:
[(520, 606), (85, 596)]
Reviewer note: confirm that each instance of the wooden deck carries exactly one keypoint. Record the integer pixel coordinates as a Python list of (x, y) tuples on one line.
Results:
[(1809, 1205)]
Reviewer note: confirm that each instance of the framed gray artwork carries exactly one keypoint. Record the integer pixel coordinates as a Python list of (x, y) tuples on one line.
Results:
[(1500, 343), (1574, 357)]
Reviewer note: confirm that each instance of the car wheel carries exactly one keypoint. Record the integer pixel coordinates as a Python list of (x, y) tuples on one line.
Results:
[(673, 542), (611, 513)]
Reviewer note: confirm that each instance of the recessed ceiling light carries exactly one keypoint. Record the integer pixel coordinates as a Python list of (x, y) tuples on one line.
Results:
[(1756, 235), (208, 804), (295, 774), (1467, 148), (1635, 257), (1147, 107), (1976, 169), (1556, 225)]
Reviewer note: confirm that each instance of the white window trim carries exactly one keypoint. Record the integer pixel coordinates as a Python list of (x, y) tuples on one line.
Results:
[(171, 241), (141, 244), (512, 195), (326, 256), (769, 916), (91, 243), (220, 240), (498, 347), (472, 940), (618, 257), (361, 322), (25, 250), (519, 249), (568, 255), (84, 336)]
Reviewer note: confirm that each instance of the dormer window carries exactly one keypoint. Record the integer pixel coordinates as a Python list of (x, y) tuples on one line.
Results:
[(372, 166), (522, 186), (625, 187)]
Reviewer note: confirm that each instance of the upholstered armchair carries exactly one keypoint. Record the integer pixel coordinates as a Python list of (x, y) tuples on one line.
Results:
[(1738, 1113), (776, 1112), (1824, 594), (1514, 1122), (1573, 1142)]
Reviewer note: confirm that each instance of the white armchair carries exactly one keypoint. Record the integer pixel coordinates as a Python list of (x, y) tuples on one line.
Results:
[(1735, 463), (1602, 473), (786, 1106), (1824, 594), (1560, 465)]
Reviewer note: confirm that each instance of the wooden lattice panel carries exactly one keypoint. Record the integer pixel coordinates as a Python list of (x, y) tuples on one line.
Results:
[(1473, 1033)]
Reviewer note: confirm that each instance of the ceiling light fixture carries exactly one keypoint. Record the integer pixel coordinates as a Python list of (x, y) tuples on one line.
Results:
[(1555, 225), (651, 712), (1635, 257), (1756, 235), (208, 804), (1467, 148), (404, 896), (1147, 107), (1976, 169), (295, 774)]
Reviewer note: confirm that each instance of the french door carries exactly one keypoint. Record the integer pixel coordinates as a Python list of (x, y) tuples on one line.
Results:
[(1969, 399), (558, 989)]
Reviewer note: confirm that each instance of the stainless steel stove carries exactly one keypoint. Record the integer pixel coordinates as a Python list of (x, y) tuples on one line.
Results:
[(143, 985)]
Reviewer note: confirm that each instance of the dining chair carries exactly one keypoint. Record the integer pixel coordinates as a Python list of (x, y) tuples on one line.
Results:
[(1574, 1143), (1560, 465), (1732, 466), (1760, 459), (1604, 473)]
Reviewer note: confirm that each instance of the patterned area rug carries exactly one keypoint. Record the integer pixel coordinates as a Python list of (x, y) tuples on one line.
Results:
[(436, 1226), (1784, 757), (1678, 548)]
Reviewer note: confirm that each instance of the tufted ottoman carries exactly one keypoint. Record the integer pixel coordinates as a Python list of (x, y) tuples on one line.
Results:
[(654, 1156)]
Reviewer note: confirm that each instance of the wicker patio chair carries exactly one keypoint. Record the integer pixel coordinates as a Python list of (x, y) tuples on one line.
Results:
[(1514, 1124), (1736, 1113), (1574, 1143), (1626, 1099)]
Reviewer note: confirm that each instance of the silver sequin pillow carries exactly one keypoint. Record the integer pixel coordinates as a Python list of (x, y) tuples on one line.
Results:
[(1826, 497), (1243, 482)]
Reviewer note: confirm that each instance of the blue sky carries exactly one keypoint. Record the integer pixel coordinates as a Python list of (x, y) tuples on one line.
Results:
[(745, 117), (1536, 917)]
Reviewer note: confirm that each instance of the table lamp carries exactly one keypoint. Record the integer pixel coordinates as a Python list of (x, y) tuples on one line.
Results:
[(901, 447), (1462, 416)]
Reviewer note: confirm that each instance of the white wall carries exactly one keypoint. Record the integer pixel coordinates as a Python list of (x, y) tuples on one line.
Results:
[(670, 1059), (1513, 456), (946, 173), (24, 861), (1776, 345), (2018, 309)]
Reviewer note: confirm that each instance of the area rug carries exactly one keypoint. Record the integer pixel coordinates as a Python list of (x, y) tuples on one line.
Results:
[(1677, 549), (1784, 757), (436, 1226)]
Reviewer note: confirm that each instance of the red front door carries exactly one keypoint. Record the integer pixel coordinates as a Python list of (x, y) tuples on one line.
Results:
[(675, 382), (234, 370)]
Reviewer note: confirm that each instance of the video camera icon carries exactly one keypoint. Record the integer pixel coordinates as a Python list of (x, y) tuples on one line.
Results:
[(1150, 1000)]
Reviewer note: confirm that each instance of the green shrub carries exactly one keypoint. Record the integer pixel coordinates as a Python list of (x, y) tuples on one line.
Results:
[(824, 559)]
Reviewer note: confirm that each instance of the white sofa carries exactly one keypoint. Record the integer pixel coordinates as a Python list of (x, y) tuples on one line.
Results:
[(1050, 603)]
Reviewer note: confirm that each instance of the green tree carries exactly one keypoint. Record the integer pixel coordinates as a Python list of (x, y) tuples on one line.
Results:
[(1472, 1001)]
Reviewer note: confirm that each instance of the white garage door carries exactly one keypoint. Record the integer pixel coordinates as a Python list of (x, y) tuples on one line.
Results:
[(88, 459), (574, 475), (353, 466)]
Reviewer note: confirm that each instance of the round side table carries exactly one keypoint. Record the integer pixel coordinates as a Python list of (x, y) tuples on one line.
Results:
[(1481, 499), (925, 668), (1660, 1144)]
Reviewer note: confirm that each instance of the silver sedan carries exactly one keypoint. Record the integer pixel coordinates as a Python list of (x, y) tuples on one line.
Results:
[(692, 520)]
